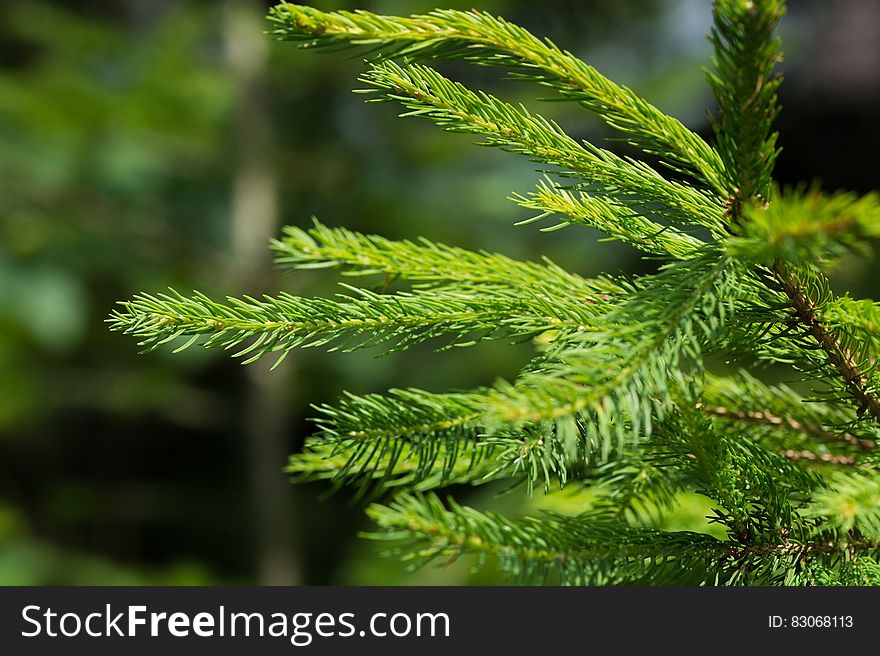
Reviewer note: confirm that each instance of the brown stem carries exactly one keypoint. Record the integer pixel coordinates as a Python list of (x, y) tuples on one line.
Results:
[(818, 457), (819, 547), (768, 419), (839, 356)]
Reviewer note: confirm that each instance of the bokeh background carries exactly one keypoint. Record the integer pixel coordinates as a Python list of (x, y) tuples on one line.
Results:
[(155, 143)]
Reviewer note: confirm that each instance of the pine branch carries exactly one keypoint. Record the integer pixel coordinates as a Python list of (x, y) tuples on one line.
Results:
[(639, 484), (825, 438), (857, 323), (439, 437), (847, 571), (425, 92), (583, 551), (428, 264), (406, 467), (744, 398), (849, 506), (379, 434), (616, 396), (611, 217), (802, 226), (745, 84), (855, 380), (762, 418), (781, 318), (628, 370), (547, 451), (533, 550), (787, 234), (757, 490), (359, 320), (484, 39)]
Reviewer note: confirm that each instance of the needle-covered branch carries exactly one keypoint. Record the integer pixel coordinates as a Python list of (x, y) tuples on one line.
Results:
[(406, 467), (451, 105), (781, 411), (568, 550), (855, 369), (586, 551), (849, 506), (485, 39), (616, 219), (428, 264), (627, 372), (805, 226), (789, 315), (430, 435), (356, 320), (745, 82)]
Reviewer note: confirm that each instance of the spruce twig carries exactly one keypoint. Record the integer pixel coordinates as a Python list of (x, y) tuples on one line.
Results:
[(856, 382)]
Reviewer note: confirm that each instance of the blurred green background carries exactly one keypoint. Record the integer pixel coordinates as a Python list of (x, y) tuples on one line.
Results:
[(155, 143)]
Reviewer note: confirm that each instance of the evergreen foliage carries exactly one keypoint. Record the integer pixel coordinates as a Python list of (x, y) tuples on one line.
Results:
[(639, 388)]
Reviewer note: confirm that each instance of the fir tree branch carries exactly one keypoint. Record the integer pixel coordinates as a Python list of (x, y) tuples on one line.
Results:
[(817, 547), (584, 551), (425, 92), (795, 484), (858, 322), (856, 382), (745, 84), (741, 397), (755, 487), (767, 419), (376, 433), (802, 226), (611, 217), (485, 39), (852, 570), (428, 264), (360, 320), (787, 235), (400, 413), (629, 369), (849, 508), (532, 550), (771, 325), (407, 466), (635, 483)]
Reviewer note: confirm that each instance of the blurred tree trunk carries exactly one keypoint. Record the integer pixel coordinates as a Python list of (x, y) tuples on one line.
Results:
[(254, 219)]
